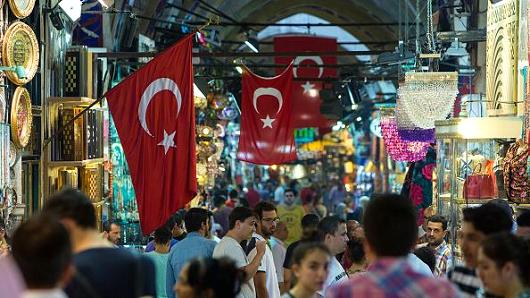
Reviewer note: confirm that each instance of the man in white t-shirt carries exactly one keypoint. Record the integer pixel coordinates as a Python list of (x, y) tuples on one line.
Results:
[(266, 279), (334, 235), (241, 224), (279, 251)]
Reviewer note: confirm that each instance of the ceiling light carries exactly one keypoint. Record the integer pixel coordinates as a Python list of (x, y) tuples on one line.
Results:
[(72, 9), (251, 46), (106, 3)]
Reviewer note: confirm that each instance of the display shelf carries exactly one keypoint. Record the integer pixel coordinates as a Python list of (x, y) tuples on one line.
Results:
[(75, 163), (71, 100), (447, 197)]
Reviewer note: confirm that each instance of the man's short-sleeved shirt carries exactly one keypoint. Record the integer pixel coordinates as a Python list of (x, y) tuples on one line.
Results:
[(267, 266), (229, 247)]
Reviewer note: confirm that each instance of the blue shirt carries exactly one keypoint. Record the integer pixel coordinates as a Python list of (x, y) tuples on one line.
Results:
[(193, 246), (151, 245)]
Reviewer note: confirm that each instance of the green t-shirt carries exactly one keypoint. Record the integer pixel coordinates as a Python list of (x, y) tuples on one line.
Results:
[(160, 261)]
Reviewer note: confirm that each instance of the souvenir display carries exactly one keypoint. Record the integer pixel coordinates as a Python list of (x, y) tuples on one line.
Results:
[(22, 8), (20, 48), (21, 117), (515, 175), (3, 107), (78, 72), (6, 155)]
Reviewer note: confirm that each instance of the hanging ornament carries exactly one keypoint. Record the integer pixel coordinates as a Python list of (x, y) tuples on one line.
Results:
[(228, 113), (426, 97), (397, 148)]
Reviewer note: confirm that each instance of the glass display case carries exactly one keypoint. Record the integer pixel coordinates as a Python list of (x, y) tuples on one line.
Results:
[(469, 163)]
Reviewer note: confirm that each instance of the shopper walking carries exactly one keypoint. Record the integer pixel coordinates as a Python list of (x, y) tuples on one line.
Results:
[(436, 233), (195, 245), (333, 233), (212, 278), (310, 267), (160, 257), (43, 253), (478, 223), (107, 271), (242, 223), (292, 215), (391, 231), (504, 265), (265, 280)]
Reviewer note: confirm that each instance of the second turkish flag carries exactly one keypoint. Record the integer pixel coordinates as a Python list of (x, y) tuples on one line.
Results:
[(266, 119)]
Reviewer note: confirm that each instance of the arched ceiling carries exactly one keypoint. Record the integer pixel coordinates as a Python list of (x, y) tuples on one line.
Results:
[(335, 11)]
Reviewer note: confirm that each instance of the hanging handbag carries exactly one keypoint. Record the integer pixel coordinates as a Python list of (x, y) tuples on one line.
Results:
[(481, 185)]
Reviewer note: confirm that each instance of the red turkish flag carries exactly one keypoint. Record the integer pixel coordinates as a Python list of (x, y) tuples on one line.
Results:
[(154, 114), (267, 132), (306, 98)]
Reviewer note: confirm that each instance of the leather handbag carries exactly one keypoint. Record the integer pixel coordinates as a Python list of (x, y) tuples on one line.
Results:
[(481, 185)]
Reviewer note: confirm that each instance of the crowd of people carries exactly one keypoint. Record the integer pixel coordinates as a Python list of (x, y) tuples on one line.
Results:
[(275, 248)]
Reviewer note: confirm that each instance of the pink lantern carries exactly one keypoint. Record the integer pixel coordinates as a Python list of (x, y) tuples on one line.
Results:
[(397, 148)]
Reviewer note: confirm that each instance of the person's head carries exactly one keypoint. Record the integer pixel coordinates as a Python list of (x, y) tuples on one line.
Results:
[(233, 194), (212, 278), (333, 233), (219, 201), (290, 196), (478, 223), (355, 251), (351, 225), (389, 226), (523, 224), (42, 249), (310, 265), (176, 224), (310, 226), (267, 217), (281, 231), (112, 231), (436, 230), (163, 236), (242, 222), (426, 254), (250, 185), (197, 220), (503, 263), (74, 209)]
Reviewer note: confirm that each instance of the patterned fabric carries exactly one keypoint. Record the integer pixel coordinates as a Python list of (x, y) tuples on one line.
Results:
[(443, 259), (515, 175), (418, 183), (391, 277), (466, 280)]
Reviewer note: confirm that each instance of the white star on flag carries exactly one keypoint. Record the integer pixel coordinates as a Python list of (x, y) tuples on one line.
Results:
[(267, 122), (168, 141), (307, 87)]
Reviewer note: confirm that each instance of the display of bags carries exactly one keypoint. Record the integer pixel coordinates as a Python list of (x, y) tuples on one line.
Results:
[(515, 174), (481, 184)]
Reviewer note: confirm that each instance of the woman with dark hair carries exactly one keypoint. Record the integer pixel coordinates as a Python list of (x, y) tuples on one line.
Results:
[(209, 278), (355, 253), (504, 265), (310, 267)]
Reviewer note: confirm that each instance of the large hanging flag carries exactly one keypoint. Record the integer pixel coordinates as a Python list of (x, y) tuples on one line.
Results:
[(154, 115), (306, 96), (267, 132)]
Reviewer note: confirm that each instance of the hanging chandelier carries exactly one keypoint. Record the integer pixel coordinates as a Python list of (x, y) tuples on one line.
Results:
[(397, 148)]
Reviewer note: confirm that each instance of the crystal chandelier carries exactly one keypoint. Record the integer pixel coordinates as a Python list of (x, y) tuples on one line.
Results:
[(397, 148), (426, 97)]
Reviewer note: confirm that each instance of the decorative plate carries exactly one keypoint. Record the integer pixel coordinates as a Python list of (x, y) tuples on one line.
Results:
[(20, 48), (13, 156), (21, 8), (21, 117)]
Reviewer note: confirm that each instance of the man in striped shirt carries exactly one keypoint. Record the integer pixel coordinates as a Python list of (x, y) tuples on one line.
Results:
[(479, 222)]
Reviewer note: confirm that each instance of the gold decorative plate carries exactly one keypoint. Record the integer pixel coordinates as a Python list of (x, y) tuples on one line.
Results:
[(20, 48), (21, 8), (21, 117)]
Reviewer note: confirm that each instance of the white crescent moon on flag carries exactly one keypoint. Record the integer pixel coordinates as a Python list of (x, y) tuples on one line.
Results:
[(317, 59), (267, 91), (153, 88)]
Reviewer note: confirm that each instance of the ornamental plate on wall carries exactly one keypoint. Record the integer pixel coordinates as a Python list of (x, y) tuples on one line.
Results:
[(20, 48), (21, 8), (21, 117)]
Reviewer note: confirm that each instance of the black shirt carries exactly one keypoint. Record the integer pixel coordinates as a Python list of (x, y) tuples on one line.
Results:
[(112, 273)]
